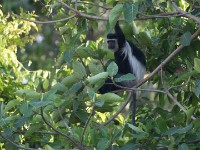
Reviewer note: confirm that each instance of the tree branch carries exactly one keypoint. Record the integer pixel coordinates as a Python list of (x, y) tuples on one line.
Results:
[(171, 96), (186, 14), (76, 143), (45, 22), (119, 111), (171, 56), (15, 144), (87, 122)]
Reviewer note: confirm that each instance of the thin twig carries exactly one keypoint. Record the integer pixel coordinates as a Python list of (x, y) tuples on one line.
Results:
[(15, 144), (170, 57), (36, 132), (119, 111), (135, 89), (76, 143), (81, 14), (88, 3), (171, 96), (188, 15), (86, 124), (65, 123), (45, 22)]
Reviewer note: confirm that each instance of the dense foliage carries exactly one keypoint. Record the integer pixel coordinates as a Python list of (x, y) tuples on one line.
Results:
[(54, 59)]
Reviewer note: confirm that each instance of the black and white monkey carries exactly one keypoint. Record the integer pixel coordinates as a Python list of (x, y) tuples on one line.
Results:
[(129, 59)]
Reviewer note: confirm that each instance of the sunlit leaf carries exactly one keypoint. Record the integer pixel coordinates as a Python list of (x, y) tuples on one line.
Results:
[(11, 104), (197, 64)]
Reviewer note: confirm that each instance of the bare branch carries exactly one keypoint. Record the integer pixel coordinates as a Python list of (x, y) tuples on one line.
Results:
[(82, 14), (171, 56), (188, 15), (15, 144), (86, 124), (177, 103), (45, 22), (88, 3), (65, 123), (119, 111), (171, 96), (76, 143)]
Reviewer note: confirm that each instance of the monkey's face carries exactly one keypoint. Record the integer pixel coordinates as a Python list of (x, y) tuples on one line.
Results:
[(112, 44)]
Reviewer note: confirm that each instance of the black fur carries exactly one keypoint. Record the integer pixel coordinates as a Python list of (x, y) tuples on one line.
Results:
[(122, 62), (129, 60)]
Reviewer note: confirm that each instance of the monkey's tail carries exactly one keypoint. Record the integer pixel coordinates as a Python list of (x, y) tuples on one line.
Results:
[(134, 107)]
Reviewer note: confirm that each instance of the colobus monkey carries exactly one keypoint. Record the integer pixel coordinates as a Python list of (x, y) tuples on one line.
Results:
[(129, 60)]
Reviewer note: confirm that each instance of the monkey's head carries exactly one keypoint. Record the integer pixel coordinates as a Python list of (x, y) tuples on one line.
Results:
[(112, 42)]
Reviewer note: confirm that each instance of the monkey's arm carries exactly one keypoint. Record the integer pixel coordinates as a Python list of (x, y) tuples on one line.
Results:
[(120, 35)]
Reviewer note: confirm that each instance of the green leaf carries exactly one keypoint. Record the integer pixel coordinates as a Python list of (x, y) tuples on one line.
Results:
[(103, 144), (33, 128), (110, 98), (82, 115), (79, 70), (126, 77), (114, 15), (69, 80), (100, 103), (68, 55), (175, 130), (146, 39), (184, 76), (189, 113), (162, 125), (98, 77), (76, 87), (45, 84), (197, 64), (136, 129), (26, 109), (130, 146), (28, 93), (183, 146), (130, 11), (20, 122), (91, 94), (197, 89), (47, 147), (95, 68), (185, 39), (112, 69), (11, 104), (38, 104), (110, 1), (59, 87)]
